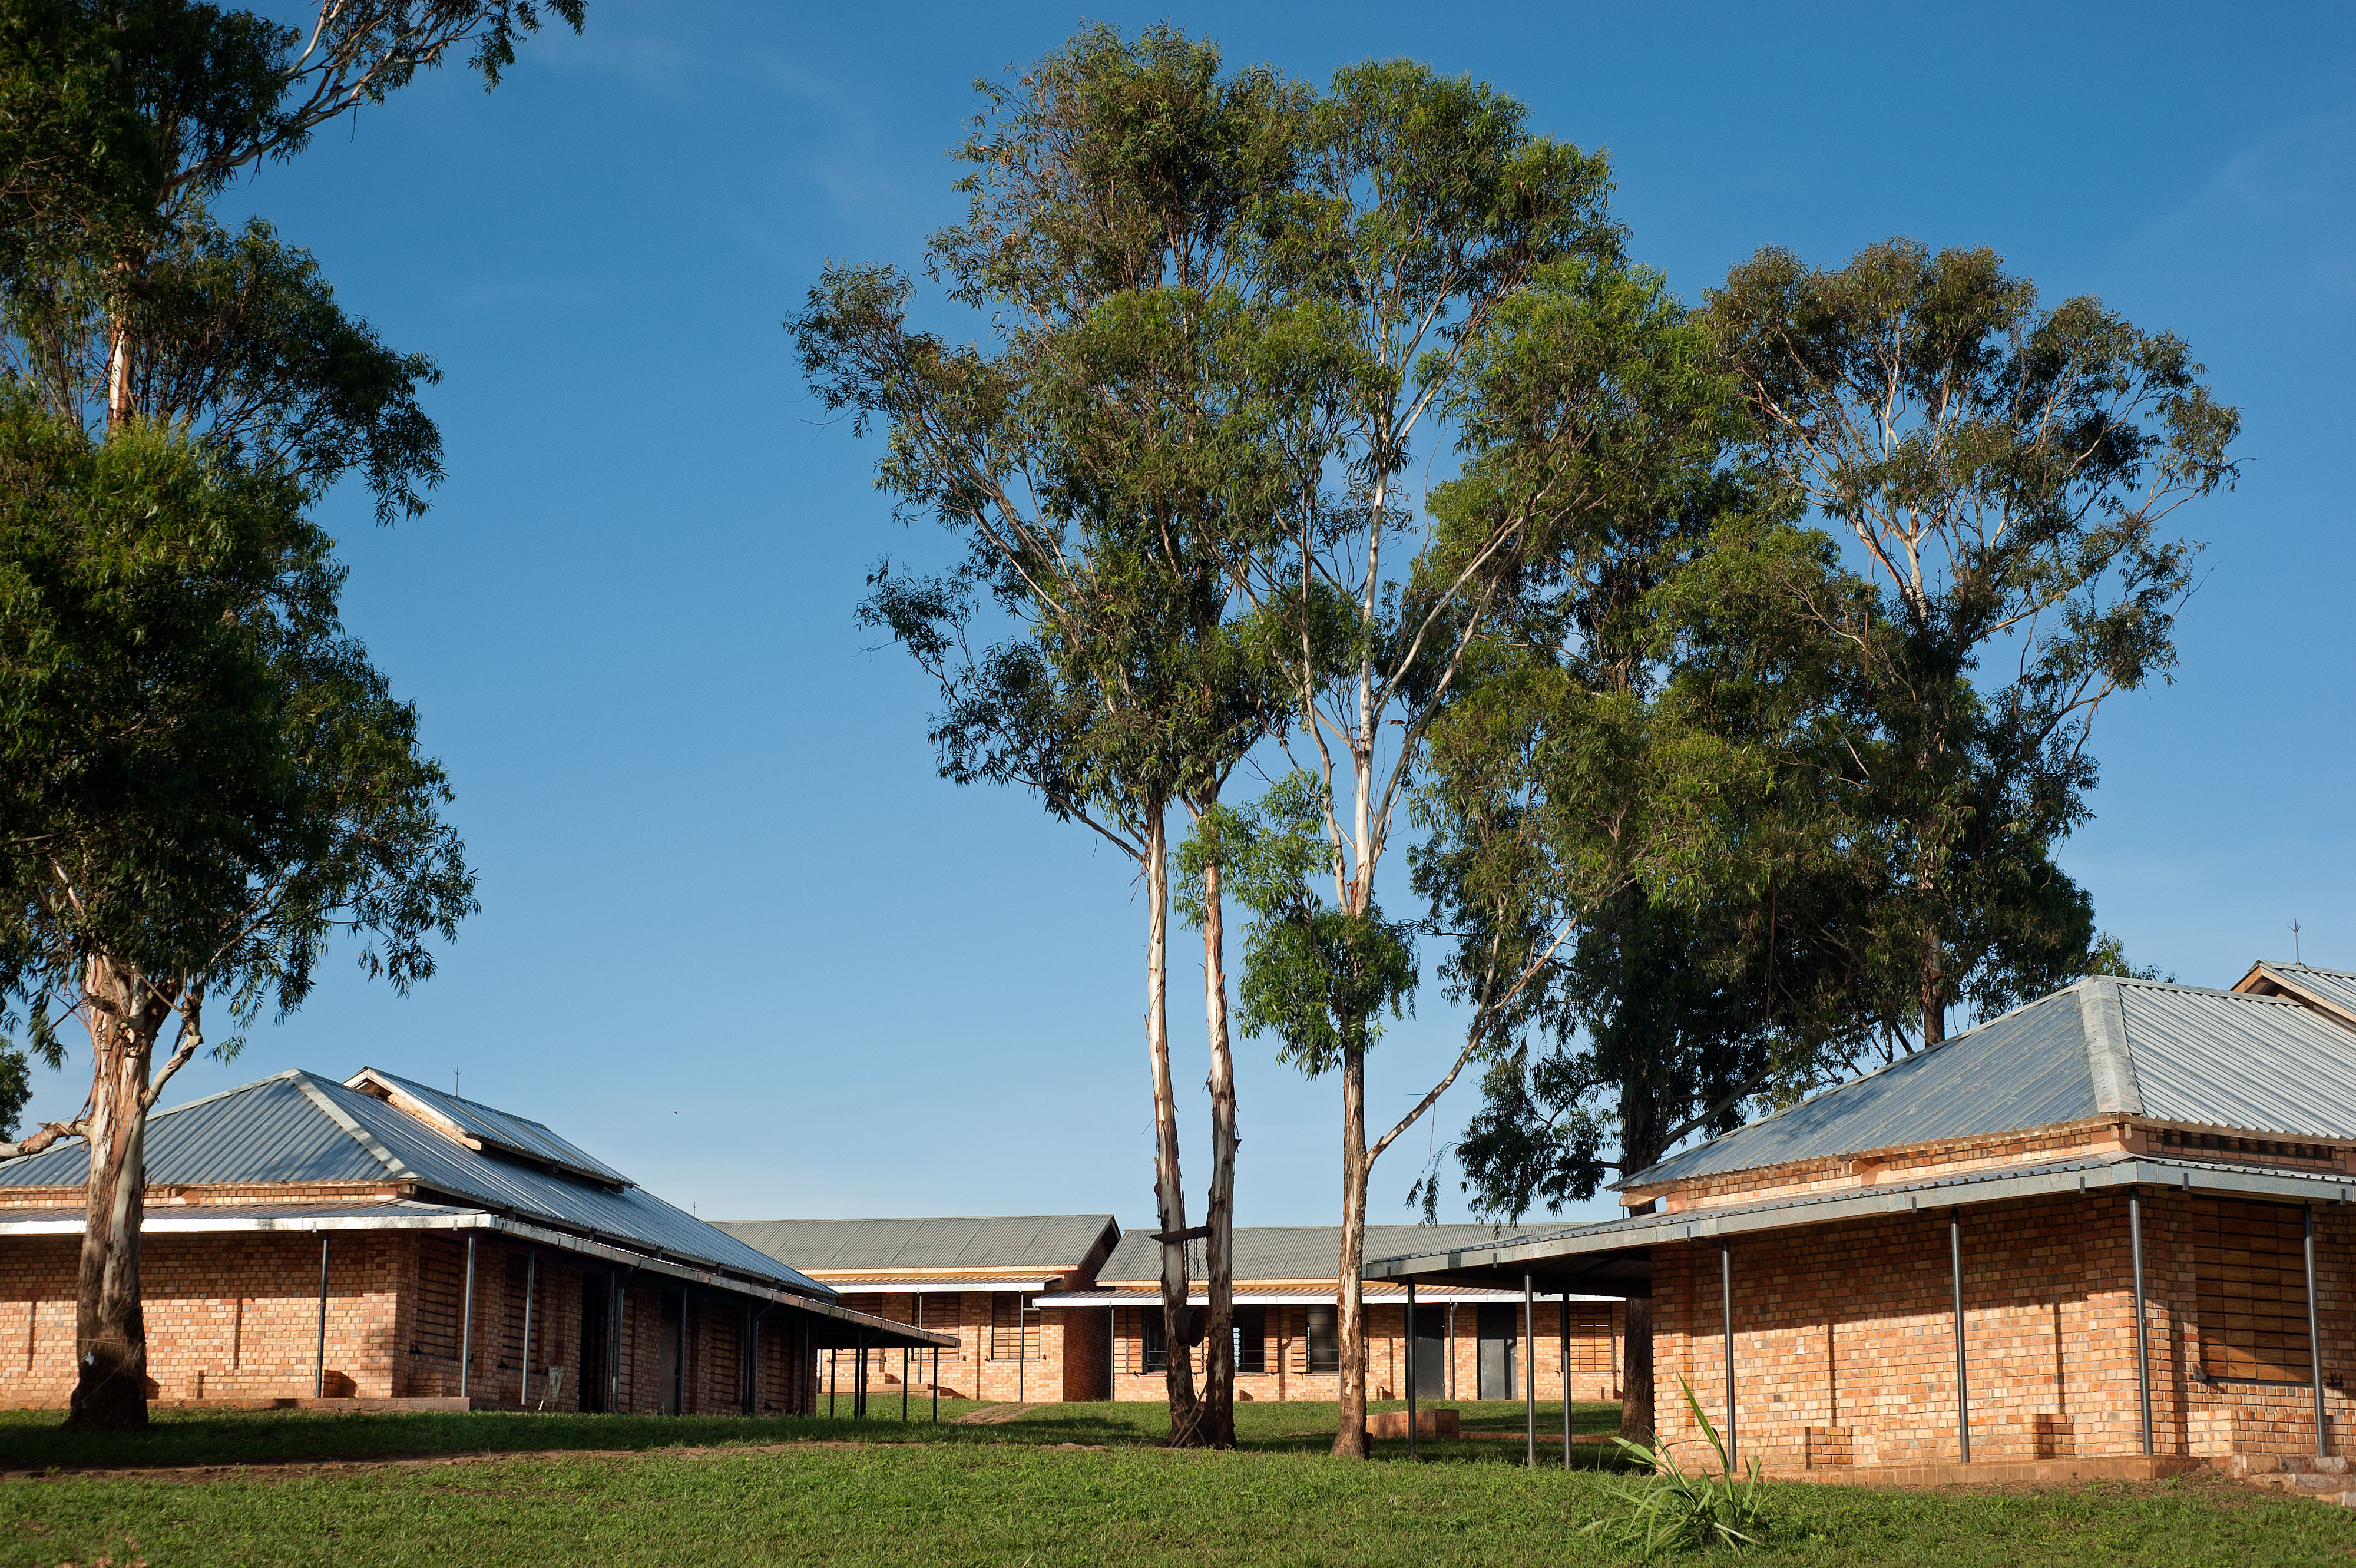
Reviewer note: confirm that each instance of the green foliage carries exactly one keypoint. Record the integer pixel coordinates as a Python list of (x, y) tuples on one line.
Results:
[(1675, 1511), (1316, 975), (202, 778), (1999, 475)]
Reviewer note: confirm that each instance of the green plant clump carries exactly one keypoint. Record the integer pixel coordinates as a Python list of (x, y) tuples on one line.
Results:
[(1673, 1510)]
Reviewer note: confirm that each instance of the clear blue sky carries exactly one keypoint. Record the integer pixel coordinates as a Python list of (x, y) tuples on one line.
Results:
[(737, 939)]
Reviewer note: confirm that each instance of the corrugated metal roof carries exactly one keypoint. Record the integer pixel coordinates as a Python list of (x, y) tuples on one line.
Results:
[(2332, 987), (940, 1284), (496, 1128), (296, 1126), (1289, 1251), (1386, 1294), (1048, 1242), (2213, 1059)]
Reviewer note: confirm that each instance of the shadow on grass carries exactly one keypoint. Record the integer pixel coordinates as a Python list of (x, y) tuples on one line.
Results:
[(31, 1440)]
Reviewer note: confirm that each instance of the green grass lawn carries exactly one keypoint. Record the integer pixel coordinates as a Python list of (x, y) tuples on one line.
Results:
[(692, 1491)]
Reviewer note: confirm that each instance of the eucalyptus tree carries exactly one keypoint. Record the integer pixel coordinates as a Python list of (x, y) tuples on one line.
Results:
[(1586, 400), (242, 392), (1102, 462), (205, 781), (2000, 475)]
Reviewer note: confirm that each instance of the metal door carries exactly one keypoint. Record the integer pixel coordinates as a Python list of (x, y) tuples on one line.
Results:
[(1501, 1326), (1430, 1352)]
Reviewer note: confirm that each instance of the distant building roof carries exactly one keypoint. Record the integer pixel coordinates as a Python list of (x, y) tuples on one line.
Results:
[(1291, 1252), (296, 1127), (2226, 1059), (1049, 1242)]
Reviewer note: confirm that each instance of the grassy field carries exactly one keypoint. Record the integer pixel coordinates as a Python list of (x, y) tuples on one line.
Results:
[(675, 1491)]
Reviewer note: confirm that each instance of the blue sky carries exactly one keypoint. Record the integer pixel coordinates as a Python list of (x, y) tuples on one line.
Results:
[(737, 939)]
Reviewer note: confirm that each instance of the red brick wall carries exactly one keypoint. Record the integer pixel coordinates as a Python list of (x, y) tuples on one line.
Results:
[(1849, 1328), (1289, 1377)]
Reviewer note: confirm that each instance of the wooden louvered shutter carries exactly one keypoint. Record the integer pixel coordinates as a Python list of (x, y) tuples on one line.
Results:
[(2249, 1264)]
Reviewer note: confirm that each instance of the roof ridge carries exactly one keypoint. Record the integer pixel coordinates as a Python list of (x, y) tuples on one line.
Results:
[(2103, 1036), (278, 1077), (313, 1088)]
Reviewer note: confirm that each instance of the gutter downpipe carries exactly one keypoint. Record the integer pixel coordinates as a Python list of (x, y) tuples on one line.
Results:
[(2143, 1345), (319, 1378), (1410, 1369), (2314, 1339), (530, 1279), (1530, 1367), (466, 1327), (1726, 1303), (1963, 1383)]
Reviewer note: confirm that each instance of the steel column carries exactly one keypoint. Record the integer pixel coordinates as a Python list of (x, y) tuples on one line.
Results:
[(319, 1376), (1726, 1305), (1448, 1377), (833, 1375), (1962, 1381), (467, 1328), (2315, 1339), (903, 1383), (2143, 1343), (936, 1384), (1530, 1367), (1410, 1369), (1563, 1323)]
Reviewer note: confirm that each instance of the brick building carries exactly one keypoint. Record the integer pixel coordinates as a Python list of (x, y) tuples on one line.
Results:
[(377, 1239), (976, 1281), (2115, 1225), (1473, 1340)]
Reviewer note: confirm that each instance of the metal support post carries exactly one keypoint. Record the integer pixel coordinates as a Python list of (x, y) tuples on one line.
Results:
[(1530, 1367), (2143, 1345), (1563, 1323), (1963, 1380), (1726, 1305), (833, 1375), (903, 1383), (936, 1384), (467, 1328), (2314, 1341), (859, 1382), (1448, 1372), (319, 1377), (1410, 1369)]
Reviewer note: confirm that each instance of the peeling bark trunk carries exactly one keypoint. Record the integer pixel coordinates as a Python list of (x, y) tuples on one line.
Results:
[(1350, 1435), (1169, 1191), (1218, 1422), (1641, 1144), (110, 1328)]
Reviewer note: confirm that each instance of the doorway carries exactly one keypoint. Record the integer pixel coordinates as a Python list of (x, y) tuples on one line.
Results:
[(674, 1334), (1430, 1352), (1501, 1324), (597, 1294)]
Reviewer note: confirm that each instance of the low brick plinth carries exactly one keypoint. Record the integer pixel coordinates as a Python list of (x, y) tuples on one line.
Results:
[(1441, 1423), (2002, 1472)]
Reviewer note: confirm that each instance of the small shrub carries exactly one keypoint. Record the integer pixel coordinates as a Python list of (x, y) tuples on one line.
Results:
[(1672, 1509)]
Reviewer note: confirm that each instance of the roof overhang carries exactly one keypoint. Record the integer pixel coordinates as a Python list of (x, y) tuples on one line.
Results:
[(938, 1284), (2263, 980), (1621, 1249), (849, 1327), (1394, 1296)]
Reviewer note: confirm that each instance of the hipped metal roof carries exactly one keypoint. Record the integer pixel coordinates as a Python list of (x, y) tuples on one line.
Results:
[(2261, 1065), (1005, 1244), (296, 1127), (1287, 1251), (1382, 1295), (2333, 989)]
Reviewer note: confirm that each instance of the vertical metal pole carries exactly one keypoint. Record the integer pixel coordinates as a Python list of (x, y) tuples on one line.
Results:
[(2143, 1346), (833, 1372), (1448, 1377), (903, 1383), (1410, 1369), (2315, 1340), (1563, 1323), (530, 1279), (1726, 1305), (1530, 1367), (1963, 1386), (859, 1382), (319, 1378), (937, 1385), (467, 1328), (1022, 1345)]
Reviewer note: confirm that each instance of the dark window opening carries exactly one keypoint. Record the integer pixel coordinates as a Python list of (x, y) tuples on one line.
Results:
[(1251, 1340), (1322, 1331), (1153, 1345)]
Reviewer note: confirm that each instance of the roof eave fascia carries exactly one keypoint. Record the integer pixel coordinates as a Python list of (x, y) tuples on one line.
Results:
[(1703, 1224), (1899, 1151)]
